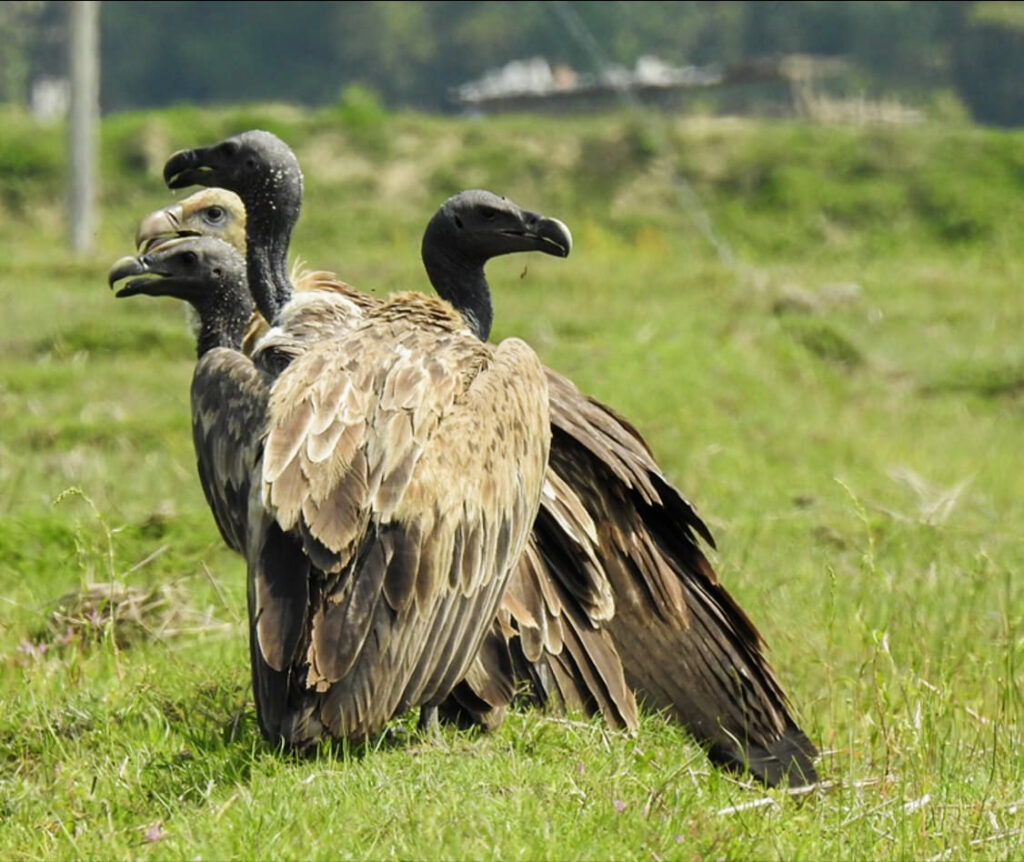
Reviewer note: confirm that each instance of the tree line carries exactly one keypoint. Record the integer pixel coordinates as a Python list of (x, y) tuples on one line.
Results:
[(412, 53)]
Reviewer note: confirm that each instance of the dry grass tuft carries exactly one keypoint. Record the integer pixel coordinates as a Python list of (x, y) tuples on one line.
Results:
[(128, 614)]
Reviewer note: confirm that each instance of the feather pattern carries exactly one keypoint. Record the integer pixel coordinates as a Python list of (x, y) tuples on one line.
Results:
[(685, 644), (411, 494), (613, 575), (229, 398)]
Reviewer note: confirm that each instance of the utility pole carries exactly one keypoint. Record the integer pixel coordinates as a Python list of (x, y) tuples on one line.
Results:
[(83, 125)]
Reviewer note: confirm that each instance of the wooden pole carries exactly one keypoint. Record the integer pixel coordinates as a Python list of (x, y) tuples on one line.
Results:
[(83, 65)]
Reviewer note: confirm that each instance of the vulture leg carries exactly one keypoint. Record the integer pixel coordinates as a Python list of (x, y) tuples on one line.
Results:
[(428, 723)]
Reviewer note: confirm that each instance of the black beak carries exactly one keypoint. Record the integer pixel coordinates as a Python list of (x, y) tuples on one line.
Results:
[(156, 273), (554, 236), (188, 168), (127, 267)]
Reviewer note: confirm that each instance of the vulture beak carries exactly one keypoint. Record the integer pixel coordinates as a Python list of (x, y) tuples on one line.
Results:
[(554, 237), (158, 227), (125, 268), (153, 279), (534, 232), (187, 168)]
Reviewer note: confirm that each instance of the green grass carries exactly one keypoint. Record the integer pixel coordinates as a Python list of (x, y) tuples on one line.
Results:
[(844, 407)]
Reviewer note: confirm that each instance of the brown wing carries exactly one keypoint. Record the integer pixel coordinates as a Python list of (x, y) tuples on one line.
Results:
[(562, 650), (548, 634), (685, 645), (229, 402), (407, 462)]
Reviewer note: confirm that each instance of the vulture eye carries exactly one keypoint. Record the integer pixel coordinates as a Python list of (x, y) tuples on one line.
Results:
[(190, 258), (214, 214), (216, 272), (488, 213)]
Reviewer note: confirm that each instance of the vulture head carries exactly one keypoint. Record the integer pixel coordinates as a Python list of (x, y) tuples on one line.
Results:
[(476, 225), (203, 271), (258, 166), (208, 212), (467, 231), (262, 170)]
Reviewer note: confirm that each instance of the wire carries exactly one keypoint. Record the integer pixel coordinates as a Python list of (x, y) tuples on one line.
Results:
[(686, 195)]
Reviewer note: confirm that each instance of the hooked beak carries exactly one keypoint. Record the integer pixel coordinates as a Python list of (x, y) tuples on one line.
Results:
[(153, 279), (127, 267), (187, 168), (547, 235), (158, 227), (554, 236)]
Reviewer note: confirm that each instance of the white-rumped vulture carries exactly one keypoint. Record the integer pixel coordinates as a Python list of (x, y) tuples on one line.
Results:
[(613, 579), (229, 395)]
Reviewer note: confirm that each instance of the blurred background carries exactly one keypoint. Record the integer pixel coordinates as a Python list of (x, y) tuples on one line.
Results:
[(858, 64), (928, 56)]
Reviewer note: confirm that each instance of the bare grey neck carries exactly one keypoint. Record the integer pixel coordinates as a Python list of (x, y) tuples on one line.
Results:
[(270, 222), (224, 320)]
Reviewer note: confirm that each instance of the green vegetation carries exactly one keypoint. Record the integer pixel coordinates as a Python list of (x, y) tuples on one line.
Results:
[(843, 404)]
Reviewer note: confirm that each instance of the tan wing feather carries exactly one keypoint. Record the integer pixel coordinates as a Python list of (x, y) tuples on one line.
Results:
[(410, 460)]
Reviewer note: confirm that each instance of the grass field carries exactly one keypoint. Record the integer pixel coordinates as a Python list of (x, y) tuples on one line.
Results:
[(839, 388)]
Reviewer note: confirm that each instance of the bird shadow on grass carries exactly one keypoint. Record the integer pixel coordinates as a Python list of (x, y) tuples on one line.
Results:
[(222, 743)]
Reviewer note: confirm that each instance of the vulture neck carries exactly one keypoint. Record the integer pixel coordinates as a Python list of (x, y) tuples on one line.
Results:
[(269, 231), (224, 324), (462, 282)]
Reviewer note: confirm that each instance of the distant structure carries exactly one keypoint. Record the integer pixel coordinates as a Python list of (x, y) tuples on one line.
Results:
[(536, 85), (534, 81), (49, 99)]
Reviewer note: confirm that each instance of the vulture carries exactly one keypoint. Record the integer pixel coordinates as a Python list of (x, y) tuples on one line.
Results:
[(571, 654), (613, 582), (622, 544), (229, 395), (400, 470), (220, 213)]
